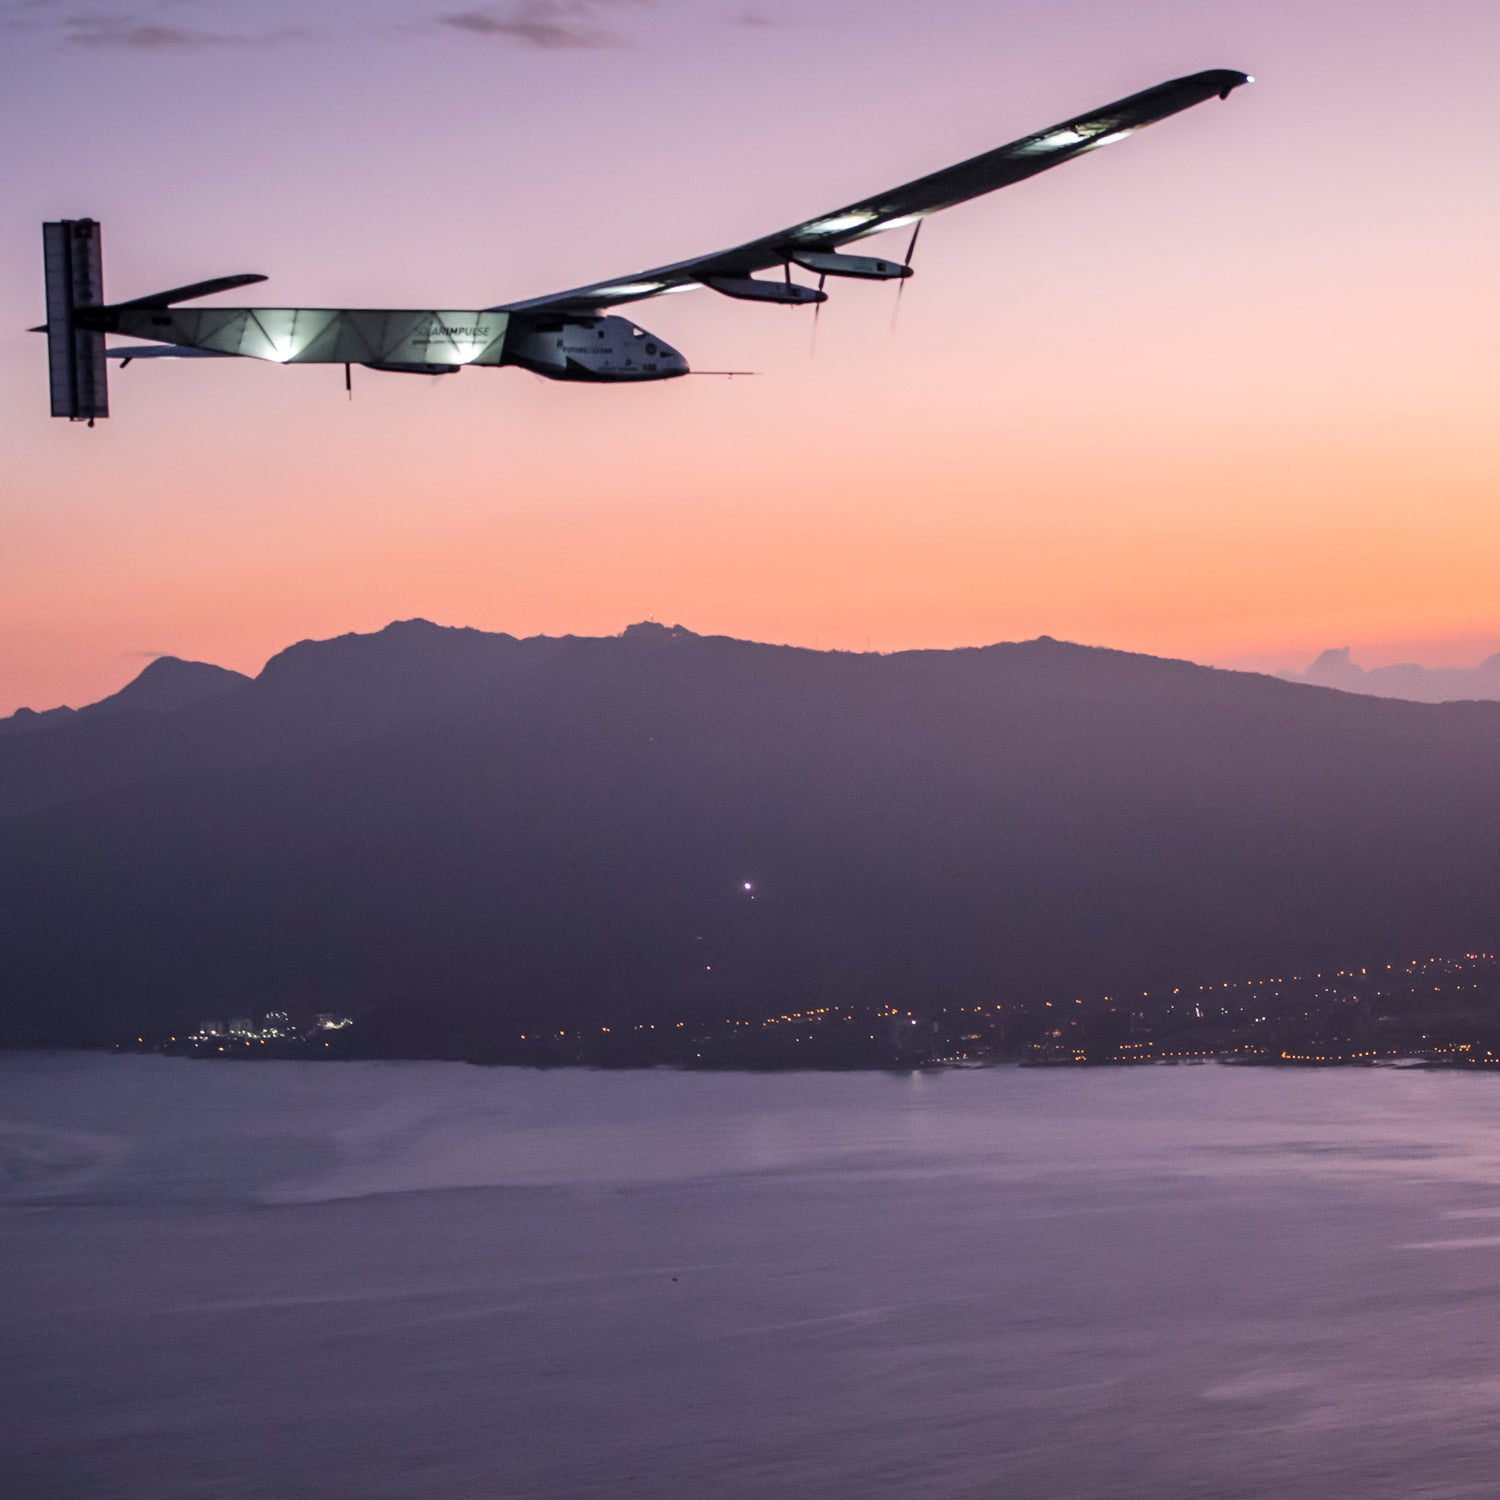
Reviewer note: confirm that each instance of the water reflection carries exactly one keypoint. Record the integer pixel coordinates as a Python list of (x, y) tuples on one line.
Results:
[(391, 1280)]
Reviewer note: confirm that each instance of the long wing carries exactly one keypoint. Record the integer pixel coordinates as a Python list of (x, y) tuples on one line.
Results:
[(903, 205)]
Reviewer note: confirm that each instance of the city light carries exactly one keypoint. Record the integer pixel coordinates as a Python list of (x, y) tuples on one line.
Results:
[(1427, 1012)]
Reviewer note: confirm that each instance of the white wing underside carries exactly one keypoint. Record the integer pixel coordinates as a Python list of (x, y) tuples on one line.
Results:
[(903, 205)]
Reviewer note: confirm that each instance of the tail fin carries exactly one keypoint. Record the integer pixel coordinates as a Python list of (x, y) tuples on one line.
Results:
[(75, 356)]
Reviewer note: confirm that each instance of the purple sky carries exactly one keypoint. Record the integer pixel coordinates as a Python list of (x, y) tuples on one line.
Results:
[(1227, 393)]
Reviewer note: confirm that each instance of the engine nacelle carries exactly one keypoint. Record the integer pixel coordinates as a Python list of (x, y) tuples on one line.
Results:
[(864, 267), (750, 289), (409, 367)]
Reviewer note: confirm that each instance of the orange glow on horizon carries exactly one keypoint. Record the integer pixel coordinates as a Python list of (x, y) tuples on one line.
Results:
[(1224, 392)]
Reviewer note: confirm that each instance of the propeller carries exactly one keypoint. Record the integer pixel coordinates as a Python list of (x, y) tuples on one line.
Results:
[(901, 285), (817, 313)]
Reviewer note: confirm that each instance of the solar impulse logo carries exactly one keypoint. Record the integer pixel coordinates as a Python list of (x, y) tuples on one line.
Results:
[(442, 332), (477, 331)]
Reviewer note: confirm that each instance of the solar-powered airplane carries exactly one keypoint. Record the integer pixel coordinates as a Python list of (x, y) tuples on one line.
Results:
[(570, 335)]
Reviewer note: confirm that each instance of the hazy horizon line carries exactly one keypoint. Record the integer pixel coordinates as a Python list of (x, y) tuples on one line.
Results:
[(1332, 667)]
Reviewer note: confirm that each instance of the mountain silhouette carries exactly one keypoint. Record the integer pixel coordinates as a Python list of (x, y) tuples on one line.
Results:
[(457, 835), (167, 683)]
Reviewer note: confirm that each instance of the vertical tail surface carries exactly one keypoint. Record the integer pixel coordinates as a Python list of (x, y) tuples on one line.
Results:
[(75, 356)]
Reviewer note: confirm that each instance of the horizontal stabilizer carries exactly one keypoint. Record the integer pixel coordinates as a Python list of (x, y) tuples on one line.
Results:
[(193, 290), (127, 352)]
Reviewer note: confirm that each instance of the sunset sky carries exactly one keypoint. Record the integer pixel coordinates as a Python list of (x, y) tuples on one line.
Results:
[(1228, 392)]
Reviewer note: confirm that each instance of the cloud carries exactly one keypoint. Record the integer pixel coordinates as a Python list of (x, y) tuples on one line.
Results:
[(127, 33), (550, 25), (751, 18), (29, 15), (1336, 668)]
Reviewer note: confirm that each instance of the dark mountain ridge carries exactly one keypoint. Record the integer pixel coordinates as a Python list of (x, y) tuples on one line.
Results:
[(167, 683), (457, 834)]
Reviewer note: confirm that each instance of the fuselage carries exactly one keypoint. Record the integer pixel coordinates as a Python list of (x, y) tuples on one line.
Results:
[(590, 348), (575, 346)]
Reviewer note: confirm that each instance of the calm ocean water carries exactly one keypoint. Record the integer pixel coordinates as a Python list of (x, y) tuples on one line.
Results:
[(414, 1280)]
